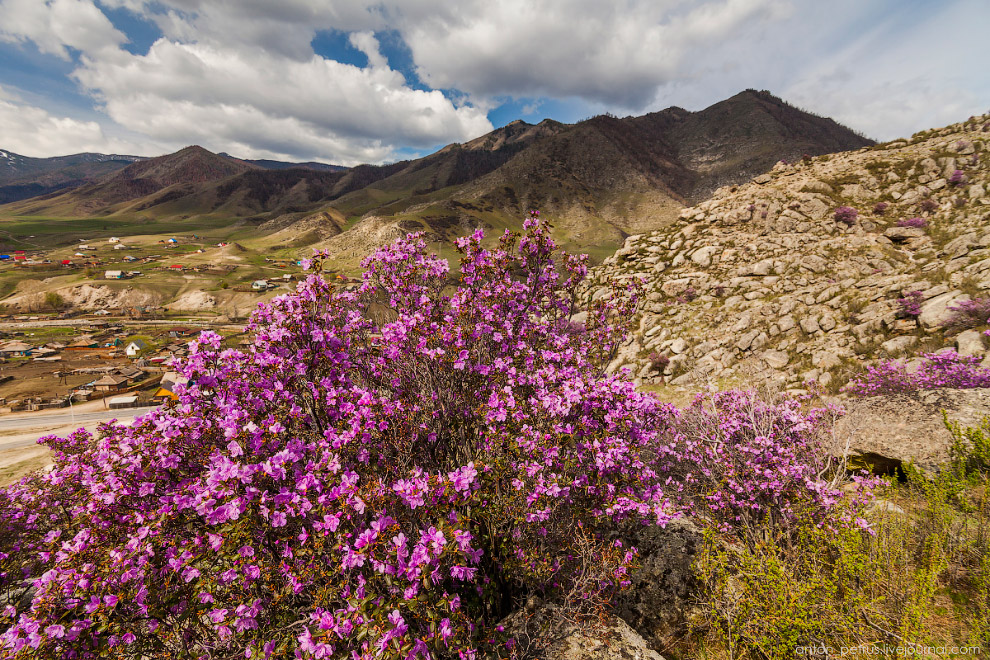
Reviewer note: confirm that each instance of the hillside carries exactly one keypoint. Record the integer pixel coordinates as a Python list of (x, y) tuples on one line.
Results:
[(763, 279)]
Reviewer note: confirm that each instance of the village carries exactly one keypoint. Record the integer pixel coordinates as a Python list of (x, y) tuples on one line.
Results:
[(125, 367), (148, 296), (121, 259)]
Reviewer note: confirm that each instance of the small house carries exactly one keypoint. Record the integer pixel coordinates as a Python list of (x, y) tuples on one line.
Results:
[(114, 239), (82, 343), (114, 275), (134, 348), (132, 373), (83, 247), (259, 285), (4, 257), (15, 348), (66, 262), (166, 389), (123, 402), (110, 383), (119, 246)]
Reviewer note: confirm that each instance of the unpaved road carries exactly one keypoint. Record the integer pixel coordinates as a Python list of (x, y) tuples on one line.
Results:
[(63, 418), (20, 452)]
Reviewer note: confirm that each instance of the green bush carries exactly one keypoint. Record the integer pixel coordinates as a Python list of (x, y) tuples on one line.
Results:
[(920, 576)]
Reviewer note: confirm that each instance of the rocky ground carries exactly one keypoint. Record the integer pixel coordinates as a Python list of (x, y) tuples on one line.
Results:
[(763, 279)]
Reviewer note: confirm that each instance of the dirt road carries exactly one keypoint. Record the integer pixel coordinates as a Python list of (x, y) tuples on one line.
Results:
[(19, 449)]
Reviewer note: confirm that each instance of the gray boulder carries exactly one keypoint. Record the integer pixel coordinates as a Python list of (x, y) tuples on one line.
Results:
[(889, 430), (658, 600), (970, 342)]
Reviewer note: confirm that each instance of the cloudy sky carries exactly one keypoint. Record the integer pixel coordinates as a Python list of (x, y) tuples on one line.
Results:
[(351, 81)]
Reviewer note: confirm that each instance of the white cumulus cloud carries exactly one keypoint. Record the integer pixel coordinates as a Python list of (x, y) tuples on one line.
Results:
[(56, 25), (32, 131)]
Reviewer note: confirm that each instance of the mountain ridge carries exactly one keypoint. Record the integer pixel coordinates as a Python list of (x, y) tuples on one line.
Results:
[(602, 178)]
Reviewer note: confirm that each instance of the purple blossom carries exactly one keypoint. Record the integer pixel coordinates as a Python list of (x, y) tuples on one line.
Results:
[(846, 215), (918, 223), (945, 369), (967, 314)]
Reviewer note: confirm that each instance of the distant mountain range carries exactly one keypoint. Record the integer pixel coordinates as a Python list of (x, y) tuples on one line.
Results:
[(599, 179), (23, 177)]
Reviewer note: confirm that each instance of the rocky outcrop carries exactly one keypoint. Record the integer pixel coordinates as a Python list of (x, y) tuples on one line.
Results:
[(658, 600), (763, 279), (888, 431)]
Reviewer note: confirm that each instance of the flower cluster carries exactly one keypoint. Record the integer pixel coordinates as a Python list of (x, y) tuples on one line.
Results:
[(916, 223), (957, 178), (945, 369), (880, 208), (744, 459), (846, 215), (909, 307)]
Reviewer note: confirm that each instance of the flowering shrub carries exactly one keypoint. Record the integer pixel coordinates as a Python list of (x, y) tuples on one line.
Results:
[(957, 178), (968, 314), (346, 490), (947, 369), (928, 206), (846, 215), (658, 361), (689, 295), (917, 223), (880, 208), (748, 462), (909, 307)]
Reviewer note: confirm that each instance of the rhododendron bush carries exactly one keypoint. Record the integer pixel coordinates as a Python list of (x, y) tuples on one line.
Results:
[(342, 487), (345, 488)]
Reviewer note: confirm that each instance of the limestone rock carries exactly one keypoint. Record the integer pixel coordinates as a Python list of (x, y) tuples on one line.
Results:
[(810, 325), (662, 587), (898, 345), (970, 342), (775, 359), (703, 257), (901, 234), (893, 429)]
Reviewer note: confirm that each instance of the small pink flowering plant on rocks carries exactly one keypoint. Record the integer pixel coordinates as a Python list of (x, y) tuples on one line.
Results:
[(945, 369), (349, 489)]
